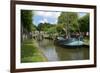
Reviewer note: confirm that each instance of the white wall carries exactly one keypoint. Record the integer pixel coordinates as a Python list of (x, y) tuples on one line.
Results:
[(5, 36)]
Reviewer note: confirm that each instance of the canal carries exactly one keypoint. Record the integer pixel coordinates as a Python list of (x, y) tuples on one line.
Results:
[(56, 53)]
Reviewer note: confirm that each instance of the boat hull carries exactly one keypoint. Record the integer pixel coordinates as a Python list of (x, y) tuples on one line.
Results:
[(70, 43)]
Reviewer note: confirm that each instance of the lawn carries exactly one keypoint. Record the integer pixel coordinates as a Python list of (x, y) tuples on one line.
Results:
[(30, 52)]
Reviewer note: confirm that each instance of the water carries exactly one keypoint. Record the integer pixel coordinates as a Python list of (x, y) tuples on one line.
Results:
[(56, 53)]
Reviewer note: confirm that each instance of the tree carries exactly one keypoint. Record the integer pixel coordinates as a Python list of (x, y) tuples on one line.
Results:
[(33, 27), (84, 23), (26, 24), (26, 19), (51, 30), (69, 20), (44, 26), (60, 29)]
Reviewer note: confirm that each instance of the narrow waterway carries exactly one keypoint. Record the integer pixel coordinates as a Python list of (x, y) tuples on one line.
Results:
[(56, 53)]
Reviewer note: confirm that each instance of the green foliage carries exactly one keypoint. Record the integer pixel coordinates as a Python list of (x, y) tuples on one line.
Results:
[(26, 19), (44, 26), (33, 27), (60, 29), (51, 30), (68, 18), (69, 21), (84, 23)]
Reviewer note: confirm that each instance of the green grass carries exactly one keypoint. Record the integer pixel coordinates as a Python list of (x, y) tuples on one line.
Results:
[(30, 52)]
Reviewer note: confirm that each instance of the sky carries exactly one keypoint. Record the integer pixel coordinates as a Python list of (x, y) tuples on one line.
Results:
[(48, 17)]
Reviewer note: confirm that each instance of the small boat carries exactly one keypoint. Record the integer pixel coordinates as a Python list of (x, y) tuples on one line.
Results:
[(70, 42)]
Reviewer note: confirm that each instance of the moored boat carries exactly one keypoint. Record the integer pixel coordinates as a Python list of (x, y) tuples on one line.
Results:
[(70, 42)]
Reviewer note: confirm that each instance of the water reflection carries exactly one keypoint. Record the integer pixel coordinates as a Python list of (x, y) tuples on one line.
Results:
[(56, 53)]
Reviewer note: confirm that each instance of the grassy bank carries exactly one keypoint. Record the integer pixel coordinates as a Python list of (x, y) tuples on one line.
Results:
[(30, 52)]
